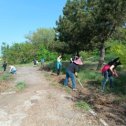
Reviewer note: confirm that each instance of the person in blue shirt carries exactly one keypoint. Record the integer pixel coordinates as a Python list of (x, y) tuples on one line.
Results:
[(42, 62), (58, 64)]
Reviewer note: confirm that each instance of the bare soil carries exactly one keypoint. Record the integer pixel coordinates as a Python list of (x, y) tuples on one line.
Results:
[(44, 102)]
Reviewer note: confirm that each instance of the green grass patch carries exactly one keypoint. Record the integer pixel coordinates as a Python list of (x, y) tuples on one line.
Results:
[(90, 75), (20, 86), (1, 69), (83, 105), (5, 76)]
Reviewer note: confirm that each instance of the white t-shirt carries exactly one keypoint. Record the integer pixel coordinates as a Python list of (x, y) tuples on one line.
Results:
[(12, 68)]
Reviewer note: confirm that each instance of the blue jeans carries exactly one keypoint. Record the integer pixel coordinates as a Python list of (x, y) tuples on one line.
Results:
[(106, 78), (13, 71), (71, 75), (58, 67)]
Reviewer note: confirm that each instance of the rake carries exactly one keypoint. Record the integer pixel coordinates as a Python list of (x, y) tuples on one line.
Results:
[(80, 82)]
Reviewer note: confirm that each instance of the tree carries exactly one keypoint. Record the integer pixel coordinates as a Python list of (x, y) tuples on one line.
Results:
[(87, 24), (108, 16), (18, 52), (42, 36), (4, 50), (120, 34), (74, 27), (120, 51)]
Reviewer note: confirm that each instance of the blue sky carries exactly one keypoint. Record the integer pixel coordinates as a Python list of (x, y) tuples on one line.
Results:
[(19, 17)]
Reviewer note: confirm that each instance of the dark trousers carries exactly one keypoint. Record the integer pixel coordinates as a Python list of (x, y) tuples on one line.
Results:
[(58, 71)]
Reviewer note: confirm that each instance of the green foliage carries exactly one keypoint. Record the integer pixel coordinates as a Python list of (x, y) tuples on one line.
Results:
[(120, 51), (87, 24), (85, 54), (20, 86), (46, 54), (42, 37), (40, 44), (18, 52), (73, 27), (90, 56), (83, 105), (120, 34)]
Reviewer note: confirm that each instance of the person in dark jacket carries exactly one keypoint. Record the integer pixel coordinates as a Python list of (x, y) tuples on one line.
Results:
[(71, 72), (4, 65)]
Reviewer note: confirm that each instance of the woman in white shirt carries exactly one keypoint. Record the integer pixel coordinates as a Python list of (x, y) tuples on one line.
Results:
[(12, 69)]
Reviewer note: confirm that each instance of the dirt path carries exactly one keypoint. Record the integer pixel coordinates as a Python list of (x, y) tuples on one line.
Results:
[(40, 104)]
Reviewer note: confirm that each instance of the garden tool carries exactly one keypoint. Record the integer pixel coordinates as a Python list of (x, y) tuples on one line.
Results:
[(80, 82)]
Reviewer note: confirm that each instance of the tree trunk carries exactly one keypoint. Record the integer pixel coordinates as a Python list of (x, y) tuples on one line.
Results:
[(102, 56)]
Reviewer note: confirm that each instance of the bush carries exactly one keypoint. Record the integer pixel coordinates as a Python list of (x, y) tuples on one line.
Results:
[(119, 50)]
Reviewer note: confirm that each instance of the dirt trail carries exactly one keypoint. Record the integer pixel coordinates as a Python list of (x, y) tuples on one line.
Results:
[(40, 104)]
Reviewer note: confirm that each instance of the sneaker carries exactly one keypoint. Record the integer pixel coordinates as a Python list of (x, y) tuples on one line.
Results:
[(74, 89)]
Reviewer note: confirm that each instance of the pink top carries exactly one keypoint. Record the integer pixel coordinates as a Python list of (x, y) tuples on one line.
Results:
[(104, 68)]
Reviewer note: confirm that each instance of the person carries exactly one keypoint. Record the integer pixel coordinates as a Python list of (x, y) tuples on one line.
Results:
[(37, 63), (109, 71), (58, 64), (42, 62), (34, 61), (71, 72), (4, 65), (74, 58), (12, 69)]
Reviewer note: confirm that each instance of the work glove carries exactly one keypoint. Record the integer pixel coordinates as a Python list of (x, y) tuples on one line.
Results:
[(76, 75)]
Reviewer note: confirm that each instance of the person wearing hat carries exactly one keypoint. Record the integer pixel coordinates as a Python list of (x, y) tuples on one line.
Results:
[(71, 72)]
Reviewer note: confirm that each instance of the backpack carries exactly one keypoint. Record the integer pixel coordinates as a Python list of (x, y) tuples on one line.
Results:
[(105, 67)]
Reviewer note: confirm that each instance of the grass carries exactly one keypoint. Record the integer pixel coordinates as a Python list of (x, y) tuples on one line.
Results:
[(119, 100), (5, 76), (83, 105), (68, 90), (90, 75), (20, 86), (54, 84), (1, 69), (92, 78)]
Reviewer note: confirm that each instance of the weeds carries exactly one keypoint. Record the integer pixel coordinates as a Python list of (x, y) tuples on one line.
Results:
[(88, 75), (68, 90), (83, 105), (20, 86), (5, 76)]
